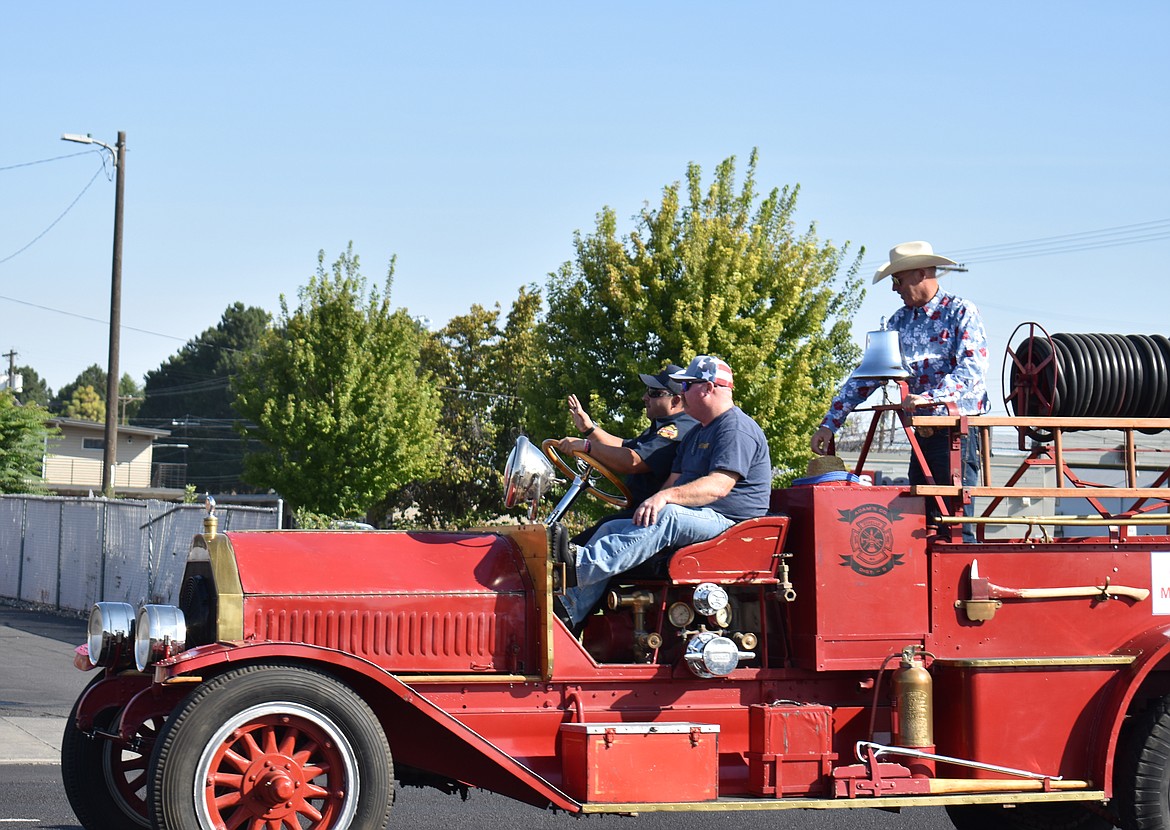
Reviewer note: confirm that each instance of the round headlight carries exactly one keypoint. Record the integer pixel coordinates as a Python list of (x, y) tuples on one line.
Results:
[(161, 632), (111, 627)]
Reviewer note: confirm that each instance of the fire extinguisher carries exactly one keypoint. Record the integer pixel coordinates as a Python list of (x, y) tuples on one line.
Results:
[(912, 712)]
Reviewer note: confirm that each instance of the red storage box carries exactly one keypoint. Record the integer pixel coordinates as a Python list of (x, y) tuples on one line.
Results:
[(627, 763), (789, 749)]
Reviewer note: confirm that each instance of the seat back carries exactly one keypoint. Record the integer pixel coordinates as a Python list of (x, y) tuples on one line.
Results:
[(746, 553)]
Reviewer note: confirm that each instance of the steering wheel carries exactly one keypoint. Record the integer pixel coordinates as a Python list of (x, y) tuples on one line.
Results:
[(621, 499)]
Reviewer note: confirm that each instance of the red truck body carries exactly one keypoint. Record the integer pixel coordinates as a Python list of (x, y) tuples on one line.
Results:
[(881, 663)]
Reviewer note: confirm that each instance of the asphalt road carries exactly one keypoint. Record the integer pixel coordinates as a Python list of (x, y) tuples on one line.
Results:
[(38, 686)]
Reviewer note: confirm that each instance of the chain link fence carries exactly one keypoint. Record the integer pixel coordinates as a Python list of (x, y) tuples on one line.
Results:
[(68, 553)]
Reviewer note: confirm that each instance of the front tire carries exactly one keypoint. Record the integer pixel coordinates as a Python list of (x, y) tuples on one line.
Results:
[(105, 779), (280, 746)]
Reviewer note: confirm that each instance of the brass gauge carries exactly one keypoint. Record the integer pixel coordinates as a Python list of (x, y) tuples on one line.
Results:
[(680, 615)]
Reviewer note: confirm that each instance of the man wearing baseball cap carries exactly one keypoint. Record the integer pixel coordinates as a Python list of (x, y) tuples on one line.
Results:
[(722, 474), (645, 460), (944, 346)]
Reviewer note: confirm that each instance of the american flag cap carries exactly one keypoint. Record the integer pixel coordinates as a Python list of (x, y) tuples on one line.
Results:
[(708, 368)]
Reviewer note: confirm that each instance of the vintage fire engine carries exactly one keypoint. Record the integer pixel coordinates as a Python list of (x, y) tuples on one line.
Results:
[(837, 652)]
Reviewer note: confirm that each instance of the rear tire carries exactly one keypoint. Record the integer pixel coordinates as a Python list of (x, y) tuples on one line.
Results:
[(1142, 782), (274, 745)]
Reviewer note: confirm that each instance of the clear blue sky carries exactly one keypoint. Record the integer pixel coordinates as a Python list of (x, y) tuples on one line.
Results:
[(473, 139)]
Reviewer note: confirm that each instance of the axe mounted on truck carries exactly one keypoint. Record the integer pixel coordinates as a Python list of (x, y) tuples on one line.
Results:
[(987, 597)]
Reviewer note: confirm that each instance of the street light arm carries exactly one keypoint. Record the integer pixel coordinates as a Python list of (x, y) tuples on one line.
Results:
[(88, 139)]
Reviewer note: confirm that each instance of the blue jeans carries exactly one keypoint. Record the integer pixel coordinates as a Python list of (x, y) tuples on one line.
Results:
[(620, 545), (937, 450)]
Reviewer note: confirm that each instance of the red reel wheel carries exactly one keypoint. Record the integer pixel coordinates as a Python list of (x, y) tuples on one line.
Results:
[(1032, 378)]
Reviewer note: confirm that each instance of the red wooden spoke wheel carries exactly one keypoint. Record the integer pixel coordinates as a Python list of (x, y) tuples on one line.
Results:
[(115, 799), (275, 747)]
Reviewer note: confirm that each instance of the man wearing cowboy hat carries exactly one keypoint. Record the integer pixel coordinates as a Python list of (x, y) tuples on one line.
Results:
[(944, 346), (646, 459)]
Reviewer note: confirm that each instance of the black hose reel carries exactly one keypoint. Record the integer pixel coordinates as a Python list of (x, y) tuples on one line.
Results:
[(1086, 376)]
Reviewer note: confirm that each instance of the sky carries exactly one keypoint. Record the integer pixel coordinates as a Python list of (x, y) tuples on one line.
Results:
[(1030, 141)]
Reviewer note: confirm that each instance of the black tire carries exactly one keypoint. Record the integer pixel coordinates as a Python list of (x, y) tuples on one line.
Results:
[(1061, 815), (1142, 782), (279, 744), (105, 781)]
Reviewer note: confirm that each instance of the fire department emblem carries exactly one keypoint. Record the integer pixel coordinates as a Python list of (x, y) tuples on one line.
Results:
[(669, 431), (871, 537)]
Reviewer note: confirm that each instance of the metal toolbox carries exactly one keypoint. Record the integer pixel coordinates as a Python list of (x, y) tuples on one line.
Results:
[(789, 749), (626, 763)]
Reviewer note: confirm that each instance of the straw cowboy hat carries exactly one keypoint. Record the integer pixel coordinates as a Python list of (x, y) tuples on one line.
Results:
[(822, 464), (908, 256)]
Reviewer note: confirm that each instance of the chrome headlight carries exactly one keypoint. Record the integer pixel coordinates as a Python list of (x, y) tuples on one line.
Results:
[(161, 632), (111, 627), (711, 655)]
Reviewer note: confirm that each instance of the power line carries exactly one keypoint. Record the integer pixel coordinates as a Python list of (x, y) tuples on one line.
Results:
[(1135, 234), (36, 238), (44, 161)]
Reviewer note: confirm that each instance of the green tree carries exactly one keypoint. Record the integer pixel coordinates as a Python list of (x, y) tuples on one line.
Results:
[(477, 362), (724, 273), (85, 405), (93, 376), (335, 396), (189, 394), (23, 431), (130, 397), (35, 389)]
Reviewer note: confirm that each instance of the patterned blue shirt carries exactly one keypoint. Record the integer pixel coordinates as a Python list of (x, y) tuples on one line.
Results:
[(944, 346)]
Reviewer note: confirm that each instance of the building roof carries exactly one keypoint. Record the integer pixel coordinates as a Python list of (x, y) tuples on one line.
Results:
[(99, 426)]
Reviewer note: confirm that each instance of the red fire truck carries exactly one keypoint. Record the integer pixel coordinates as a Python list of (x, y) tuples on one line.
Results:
[(838, 652)]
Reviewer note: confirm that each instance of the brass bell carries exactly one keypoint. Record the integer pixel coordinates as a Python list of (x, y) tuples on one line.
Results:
[(883, 356)]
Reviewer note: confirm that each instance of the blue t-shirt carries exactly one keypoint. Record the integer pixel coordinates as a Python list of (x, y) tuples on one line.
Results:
[(656, 446), (732, 443)]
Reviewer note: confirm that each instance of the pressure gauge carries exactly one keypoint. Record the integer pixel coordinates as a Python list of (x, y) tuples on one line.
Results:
[(722, 617), (680, 615)]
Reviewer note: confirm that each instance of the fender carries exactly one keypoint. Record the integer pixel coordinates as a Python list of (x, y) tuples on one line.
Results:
[(491, 768), (1149, 650), (113, 691)]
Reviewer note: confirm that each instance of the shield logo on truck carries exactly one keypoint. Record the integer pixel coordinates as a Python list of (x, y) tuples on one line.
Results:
[(871, 537)]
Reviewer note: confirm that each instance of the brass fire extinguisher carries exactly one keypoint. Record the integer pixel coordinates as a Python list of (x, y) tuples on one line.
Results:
[(913, 703)]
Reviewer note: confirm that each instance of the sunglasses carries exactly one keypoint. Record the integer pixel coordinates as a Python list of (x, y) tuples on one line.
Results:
[(659, 393), (688, 384)]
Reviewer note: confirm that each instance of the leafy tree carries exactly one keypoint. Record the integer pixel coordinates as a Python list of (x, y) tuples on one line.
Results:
[(335, 395), (85, 405), (94, 376), (35, 389), (189, 394), (477, 362), (22, 444), (723, 272), (129, 394)]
